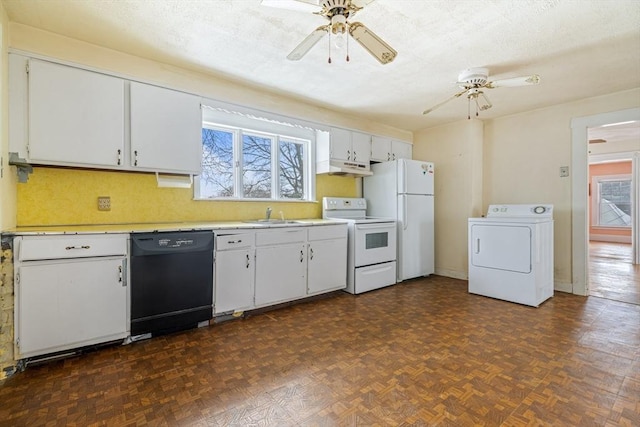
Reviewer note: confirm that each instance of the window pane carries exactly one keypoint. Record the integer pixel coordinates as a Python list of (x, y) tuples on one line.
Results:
[(291, 177), (256, 167), (216, 179), (615, 203)]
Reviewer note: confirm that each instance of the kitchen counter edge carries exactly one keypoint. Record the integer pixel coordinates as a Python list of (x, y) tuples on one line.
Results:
[(161, 227)]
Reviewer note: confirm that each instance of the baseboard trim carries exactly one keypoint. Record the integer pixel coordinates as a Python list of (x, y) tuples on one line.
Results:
[(563, 287), (454, 274), (609, 238)]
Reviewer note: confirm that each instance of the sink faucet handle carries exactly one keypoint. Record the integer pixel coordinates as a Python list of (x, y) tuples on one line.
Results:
[(282, 215), (269, 212)]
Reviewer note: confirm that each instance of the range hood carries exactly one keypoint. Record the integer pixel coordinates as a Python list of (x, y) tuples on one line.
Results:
[(343, 168)]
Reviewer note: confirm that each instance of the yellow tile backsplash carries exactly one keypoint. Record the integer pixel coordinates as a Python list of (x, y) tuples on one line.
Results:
[(61, 196)]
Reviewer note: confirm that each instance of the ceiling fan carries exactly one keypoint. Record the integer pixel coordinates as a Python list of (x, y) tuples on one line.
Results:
[(337, 12), (474, 80)]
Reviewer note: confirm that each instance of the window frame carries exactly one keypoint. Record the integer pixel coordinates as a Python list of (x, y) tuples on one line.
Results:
[(595, 199), (276, 134)]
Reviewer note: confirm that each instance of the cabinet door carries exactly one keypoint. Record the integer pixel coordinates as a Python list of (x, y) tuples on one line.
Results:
[(234, 280), (75, 116), (361, 147), (280, 273), (401, 150), (327, 265), (380, 149), (166, 129), (341, 144), (67, 305)]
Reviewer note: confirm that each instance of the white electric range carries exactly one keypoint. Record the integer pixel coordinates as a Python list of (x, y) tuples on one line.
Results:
[(371, 254)]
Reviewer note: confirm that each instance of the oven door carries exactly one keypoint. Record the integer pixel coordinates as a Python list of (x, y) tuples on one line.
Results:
[(374, 243)]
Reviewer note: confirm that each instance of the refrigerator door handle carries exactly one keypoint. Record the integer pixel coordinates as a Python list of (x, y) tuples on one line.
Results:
[(404, 213)]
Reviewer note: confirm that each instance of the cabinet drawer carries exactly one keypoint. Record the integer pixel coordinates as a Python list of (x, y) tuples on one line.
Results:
[(234, 241), (277, 237), (32, 248), (327, 232)]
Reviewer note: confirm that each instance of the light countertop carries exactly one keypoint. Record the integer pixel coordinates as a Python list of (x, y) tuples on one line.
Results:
[(164, 226)]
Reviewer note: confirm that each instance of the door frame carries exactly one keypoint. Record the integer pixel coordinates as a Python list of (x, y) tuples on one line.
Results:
[(579, 196)]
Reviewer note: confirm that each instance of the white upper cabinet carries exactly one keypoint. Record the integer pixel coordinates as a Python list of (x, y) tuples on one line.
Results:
[(68, 116), (361, 147), (74, 116), (166, 129), (386, 149), (350, 146)]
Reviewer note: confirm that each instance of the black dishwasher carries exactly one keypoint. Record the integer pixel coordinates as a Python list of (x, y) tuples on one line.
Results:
[(171, 281)]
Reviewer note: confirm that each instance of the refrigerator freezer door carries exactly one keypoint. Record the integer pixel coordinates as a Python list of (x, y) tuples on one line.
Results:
[(415, 236), (415, 177)]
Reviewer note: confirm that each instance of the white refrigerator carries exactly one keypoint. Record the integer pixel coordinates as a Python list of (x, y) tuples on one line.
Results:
[(404, 189)]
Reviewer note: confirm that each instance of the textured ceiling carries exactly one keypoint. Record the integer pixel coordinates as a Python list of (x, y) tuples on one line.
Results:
[(580, 48)]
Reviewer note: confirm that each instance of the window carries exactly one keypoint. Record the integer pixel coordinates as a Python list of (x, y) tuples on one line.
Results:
[(611, 201), (248, 164)]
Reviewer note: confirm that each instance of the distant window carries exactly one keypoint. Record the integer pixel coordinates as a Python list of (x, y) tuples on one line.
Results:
[(611, 201), (247, 164)]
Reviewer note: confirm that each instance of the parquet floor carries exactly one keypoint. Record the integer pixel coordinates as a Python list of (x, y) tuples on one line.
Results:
[(612, 274), (421, 353)]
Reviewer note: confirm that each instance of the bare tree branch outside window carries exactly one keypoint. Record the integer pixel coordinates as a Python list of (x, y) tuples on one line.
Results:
[(291, 170), (256, 153), (216, 179), (256, 166)]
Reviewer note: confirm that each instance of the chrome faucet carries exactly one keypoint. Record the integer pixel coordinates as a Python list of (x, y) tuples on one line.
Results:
[(268, 213)]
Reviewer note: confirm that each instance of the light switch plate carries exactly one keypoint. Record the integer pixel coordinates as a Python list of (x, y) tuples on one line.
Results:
[(564, 171), (104, 203)]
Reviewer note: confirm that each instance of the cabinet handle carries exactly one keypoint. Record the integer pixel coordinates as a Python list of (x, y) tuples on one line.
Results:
[(348, 154), (135, 158), (311, 253), (119, 157), (77, 247), (301, 255), (394, 156), (122, 273), (388, 156), (354, 155), (247, 260), (235, 241)]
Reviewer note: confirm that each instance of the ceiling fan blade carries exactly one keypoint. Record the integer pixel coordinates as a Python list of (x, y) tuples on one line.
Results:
[(457, 95), (514, 82), (361, 3), (372, 43), (299, 5), (309, 42)]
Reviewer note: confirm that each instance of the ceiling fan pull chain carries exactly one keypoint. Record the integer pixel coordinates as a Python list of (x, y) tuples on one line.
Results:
[(468, 108), (347, 37), (329, 47)]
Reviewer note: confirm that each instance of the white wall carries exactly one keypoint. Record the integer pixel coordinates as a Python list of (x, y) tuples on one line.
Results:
[(521, 160), (456, 149)]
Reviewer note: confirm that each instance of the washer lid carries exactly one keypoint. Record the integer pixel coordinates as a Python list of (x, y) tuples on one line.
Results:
[(539, 210)]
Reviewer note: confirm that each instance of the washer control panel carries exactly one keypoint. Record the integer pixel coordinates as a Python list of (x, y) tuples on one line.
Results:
[(521, 211)]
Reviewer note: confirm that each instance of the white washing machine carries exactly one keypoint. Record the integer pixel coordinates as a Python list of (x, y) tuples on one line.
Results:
[(511, 253)]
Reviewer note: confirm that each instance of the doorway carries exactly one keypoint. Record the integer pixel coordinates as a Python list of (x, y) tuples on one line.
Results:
[(612, 273), (580, 216)]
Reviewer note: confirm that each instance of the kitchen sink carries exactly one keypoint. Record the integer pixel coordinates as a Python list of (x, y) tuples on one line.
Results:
[(272, 221)]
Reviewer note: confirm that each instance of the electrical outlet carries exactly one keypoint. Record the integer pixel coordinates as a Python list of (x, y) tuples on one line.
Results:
[(104, 203), (564, 171)]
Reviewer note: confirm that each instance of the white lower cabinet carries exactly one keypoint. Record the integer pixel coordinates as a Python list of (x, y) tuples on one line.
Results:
[(327, 259), (234, 272), (76, 297), (281, 265)]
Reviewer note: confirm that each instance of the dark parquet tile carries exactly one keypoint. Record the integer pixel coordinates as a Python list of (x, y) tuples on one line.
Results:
[(422, 353)]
